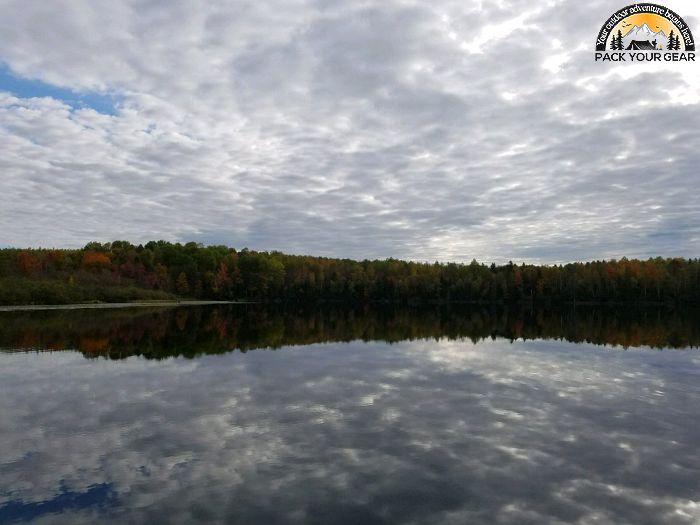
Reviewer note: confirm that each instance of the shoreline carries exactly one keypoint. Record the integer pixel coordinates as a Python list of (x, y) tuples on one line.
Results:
[(95, 306), (528, 304)]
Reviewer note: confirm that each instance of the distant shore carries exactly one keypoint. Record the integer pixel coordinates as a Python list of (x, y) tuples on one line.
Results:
[(85, 306), (120, 272)]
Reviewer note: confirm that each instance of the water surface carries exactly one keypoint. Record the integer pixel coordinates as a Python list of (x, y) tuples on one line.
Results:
[(349, 416)]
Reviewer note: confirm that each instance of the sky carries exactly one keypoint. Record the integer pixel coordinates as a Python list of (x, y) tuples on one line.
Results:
[(444, 130)]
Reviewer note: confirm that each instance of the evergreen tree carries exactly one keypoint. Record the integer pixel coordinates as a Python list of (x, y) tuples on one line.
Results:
[(616, 41)]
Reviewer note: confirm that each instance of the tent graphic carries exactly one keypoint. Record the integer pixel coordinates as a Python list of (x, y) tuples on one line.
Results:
[(641, 45)]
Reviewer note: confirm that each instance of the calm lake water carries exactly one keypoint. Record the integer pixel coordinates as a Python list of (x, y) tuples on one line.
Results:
[(260, 415)]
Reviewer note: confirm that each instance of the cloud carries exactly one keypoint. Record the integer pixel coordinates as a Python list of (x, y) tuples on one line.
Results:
[(447, 130)]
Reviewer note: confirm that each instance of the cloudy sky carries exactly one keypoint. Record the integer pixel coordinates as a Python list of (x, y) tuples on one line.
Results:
[(445, 130)]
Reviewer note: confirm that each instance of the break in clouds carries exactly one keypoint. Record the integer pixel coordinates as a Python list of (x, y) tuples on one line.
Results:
[(444, 130)]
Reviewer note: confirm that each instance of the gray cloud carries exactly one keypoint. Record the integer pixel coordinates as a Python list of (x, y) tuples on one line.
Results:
[(447, 130)]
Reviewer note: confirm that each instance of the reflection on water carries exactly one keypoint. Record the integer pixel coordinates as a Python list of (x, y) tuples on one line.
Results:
[(192, 331), (420, 431)]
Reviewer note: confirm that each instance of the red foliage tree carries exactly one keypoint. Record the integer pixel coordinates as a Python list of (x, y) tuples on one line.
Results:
[(92, 260), (28, 263)]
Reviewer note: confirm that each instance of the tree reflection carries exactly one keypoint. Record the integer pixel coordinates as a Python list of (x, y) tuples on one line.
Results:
[(190, 331)]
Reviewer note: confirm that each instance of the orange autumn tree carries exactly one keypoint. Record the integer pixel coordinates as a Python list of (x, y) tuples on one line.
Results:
[(28, 263), (92, 260)]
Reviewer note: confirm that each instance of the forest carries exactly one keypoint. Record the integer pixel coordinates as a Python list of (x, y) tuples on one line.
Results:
[(160, 270)]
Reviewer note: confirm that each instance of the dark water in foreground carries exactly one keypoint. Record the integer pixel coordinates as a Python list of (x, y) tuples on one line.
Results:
[(383, 416)]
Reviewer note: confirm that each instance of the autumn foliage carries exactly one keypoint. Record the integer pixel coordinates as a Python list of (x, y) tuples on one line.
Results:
[(120, 271), (92, 260), (28, 262)]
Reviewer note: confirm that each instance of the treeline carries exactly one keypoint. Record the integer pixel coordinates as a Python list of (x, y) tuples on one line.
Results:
[(192, 331), (121, 271)]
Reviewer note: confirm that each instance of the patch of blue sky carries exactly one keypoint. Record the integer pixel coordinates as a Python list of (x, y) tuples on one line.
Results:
[(26, 88)]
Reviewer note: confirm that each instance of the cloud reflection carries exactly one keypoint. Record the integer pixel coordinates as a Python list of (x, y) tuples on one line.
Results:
[(415, 432)]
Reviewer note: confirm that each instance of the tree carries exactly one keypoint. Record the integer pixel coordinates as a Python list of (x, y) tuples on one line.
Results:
[(616, 41), (28, 262), (93, 260), (160, 276), (222, 278), (674, 41), (181, 284), (677, 43)]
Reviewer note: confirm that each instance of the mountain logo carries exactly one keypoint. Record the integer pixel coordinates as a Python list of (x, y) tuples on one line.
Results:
[(645, 33)]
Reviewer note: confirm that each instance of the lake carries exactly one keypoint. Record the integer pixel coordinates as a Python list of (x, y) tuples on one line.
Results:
[(250, 414)]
